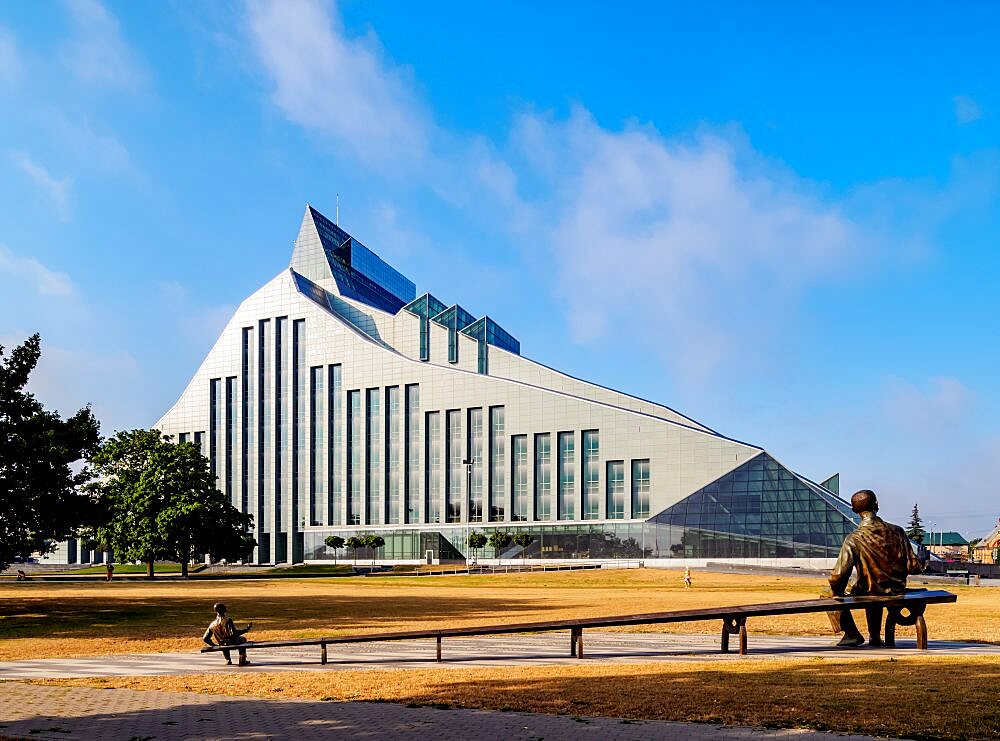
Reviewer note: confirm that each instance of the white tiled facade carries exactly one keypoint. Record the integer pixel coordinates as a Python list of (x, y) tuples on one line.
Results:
[(318, 415)]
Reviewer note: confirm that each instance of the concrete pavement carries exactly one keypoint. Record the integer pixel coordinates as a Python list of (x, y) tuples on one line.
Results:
[(36, 712), (539, 649)]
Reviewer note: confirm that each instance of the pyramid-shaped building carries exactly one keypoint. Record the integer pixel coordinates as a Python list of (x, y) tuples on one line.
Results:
[(338, 401)]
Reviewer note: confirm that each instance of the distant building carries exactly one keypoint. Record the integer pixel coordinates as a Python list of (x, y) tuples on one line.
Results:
[(338, 401), (988, 548), (949, 545)]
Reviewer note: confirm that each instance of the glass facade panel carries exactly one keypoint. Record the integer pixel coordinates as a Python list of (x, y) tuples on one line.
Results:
[(393, 448), (433, 447), (230, 440), (543, 476), (616, 490), (412, 453), (298, 517), (519, 477), (335, 445), (317, 445), (498, 465), (355, 458), (455, 473), (373, 452), (640, 488), (265, 475), (475, 459), (280, 501), (759, 510), (567, 476), (591, 475), (246, 418), (214, 399)]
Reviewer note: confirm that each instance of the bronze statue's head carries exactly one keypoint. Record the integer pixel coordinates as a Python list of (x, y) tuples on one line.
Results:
[(864, 501), (220, 609)]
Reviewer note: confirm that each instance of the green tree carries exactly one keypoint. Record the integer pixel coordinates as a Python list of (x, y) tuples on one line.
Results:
[(42, 499), (162, 503), (915, 531), (499, 540), (354, 542), (335, 542), (523, 539), (374, 542), (476, 541)]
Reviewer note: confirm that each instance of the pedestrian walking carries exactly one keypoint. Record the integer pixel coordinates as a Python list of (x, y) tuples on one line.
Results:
[(687, 577), (109, 575)]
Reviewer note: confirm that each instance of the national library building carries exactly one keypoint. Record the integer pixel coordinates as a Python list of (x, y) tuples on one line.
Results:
[(339, 402)]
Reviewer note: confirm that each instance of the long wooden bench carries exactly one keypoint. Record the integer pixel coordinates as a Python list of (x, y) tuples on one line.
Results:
[(904, 609)]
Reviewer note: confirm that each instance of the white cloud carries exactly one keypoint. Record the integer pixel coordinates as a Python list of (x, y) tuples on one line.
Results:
[(10, 63), (97, 54), (57, 189), (939, 407), (694, 246), (344, 88), (967, 110), (43, 280)]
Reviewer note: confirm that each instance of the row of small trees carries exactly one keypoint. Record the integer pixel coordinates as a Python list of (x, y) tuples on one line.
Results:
[(355, 542)]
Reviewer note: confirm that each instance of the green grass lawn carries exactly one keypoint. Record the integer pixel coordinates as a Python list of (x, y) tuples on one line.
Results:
[(311, 570), (129, 568)]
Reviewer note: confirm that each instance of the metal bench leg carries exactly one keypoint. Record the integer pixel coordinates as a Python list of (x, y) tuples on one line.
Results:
[(921, 633), (572, 642), (743, 637), (734, 626), (725, 637), (439, 648), (579, 643), (322, 653)]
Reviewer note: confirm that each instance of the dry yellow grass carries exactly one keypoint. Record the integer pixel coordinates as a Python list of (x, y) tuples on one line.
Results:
[(915, 697), (46, 620)]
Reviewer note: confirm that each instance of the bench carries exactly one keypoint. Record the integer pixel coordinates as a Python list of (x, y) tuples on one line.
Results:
[(903, 609)]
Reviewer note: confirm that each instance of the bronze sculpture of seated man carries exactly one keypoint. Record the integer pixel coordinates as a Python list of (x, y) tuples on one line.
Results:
[(881, 555)]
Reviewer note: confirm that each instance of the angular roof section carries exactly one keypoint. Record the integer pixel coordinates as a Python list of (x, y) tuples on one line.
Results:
[(486, 329), (326, 253), (454, 317), (426, 306), (948, 537)]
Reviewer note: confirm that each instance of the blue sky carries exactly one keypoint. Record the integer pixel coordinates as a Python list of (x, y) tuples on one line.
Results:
[(780, 219)]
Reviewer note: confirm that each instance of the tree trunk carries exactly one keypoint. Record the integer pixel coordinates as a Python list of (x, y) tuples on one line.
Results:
[(149, 569), (184, 568)]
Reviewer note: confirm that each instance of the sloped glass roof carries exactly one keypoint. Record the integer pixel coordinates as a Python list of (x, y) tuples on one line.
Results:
[(488, 330), (454, 317), (425, 306), (760, 509)]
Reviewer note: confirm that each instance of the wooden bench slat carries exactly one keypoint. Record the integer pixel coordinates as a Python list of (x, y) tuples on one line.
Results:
[(710, 613)]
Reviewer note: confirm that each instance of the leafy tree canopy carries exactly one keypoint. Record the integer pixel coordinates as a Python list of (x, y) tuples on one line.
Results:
[(162, 502), (41, 495)]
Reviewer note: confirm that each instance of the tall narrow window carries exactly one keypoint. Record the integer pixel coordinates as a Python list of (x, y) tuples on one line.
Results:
[(373, 453), (519, 476), (199, 440), (591, 475), (355, 458), (265, 481), (279, 503), (182, 437), (214, 399), (616, 490), (230, 439), (392, 455), (335, 444), (640, 488), (301, 506), (567, 476), (455, 473), (412, 453), (543, 476), (498, 463), (476, 463), (246, 418), (432, 441), (317, 444)]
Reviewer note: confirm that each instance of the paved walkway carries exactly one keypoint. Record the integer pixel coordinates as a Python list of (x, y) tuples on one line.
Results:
[(35, 712), (537, 649)]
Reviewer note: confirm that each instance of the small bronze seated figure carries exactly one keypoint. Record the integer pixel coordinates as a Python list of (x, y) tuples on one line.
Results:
[(880, 555)]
